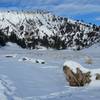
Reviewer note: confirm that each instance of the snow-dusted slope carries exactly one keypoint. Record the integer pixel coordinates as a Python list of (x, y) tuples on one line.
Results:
[(22, 79), (45, 29)]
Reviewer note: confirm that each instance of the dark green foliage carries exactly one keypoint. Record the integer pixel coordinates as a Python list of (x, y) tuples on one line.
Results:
[(45, 41), (3, 39), (13, 38), (21, 42), (58, 43)]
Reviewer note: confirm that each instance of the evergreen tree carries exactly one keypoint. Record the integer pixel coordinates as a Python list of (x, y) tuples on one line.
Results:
[(3, 38), (13, 37)]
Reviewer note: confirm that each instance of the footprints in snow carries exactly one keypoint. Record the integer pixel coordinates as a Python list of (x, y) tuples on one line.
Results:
[(7, 90)]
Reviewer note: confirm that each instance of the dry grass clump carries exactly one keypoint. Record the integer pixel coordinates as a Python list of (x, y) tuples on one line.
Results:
[(88, 60), (97, 76)]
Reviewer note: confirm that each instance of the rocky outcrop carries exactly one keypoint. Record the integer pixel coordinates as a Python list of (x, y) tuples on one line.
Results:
[(77, 79), (79, 76)]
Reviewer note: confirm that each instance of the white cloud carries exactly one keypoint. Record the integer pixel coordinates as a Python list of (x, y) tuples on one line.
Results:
[(9, 1), (98, 18), (71, 7), (77, 9), (51, 2)]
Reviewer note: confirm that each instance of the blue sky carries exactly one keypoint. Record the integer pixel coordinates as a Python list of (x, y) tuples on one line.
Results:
[(87, 10)]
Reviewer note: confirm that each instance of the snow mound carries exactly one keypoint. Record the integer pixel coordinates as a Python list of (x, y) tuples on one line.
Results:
[(74, 65)]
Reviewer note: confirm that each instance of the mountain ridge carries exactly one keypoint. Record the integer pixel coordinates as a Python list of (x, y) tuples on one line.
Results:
[(40, 28)]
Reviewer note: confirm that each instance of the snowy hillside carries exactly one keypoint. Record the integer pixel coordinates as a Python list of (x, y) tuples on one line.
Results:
[(41, 28)]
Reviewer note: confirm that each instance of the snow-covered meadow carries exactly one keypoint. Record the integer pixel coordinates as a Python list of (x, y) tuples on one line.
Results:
[(38, 74)]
